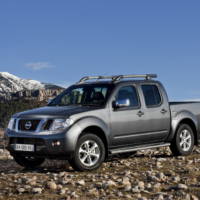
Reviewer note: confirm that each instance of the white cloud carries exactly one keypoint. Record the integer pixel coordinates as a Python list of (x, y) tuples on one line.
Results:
[(38, 65)]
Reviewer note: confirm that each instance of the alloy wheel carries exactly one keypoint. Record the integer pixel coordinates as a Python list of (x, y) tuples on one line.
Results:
[(89, 153)]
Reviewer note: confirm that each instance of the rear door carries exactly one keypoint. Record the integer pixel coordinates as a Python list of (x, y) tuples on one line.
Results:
[(157, 113)]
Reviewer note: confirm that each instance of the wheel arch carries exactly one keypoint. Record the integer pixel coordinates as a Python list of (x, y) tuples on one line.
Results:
[(185, 118), (192, 126), (87, 125), (96, 130)]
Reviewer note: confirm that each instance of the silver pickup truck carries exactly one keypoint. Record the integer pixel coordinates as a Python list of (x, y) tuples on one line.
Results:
[(91, 120)]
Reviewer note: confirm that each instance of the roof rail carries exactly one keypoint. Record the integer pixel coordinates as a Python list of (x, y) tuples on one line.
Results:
[(118, 77)]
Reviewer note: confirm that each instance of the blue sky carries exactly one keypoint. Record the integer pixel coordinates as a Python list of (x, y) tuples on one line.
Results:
[(61, 41)]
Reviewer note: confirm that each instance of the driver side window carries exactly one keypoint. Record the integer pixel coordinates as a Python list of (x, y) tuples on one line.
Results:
[(130, 93)]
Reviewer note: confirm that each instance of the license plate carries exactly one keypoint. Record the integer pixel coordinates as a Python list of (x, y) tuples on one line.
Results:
[(23, 147)]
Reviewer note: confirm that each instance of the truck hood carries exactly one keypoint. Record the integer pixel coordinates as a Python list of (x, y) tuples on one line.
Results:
[(51, 111)]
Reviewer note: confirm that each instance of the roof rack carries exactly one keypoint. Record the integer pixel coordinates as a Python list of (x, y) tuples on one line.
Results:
[(118, 77)]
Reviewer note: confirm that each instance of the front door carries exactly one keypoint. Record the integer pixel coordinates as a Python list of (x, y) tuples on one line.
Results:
[(127, 122)]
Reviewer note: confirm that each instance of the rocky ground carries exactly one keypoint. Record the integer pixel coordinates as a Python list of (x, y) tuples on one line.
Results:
[(146, 175)]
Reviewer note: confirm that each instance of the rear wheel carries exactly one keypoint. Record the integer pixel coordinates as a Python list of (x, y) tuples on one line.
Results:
[(89, 153), (183, 142), (28, 161)]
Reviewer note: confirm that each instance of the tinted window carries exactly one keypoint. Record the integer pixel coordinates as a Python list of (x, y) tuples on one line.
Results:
[(128, 92), (151, 95)]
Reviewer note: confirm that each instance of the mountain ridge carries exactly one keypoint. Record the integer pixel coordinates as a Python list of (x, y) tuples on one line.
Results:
[(12, 86)]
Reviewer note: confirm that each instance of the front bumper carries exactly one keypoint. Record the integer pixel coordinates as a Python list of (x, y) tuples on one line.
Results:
[(45, 145)]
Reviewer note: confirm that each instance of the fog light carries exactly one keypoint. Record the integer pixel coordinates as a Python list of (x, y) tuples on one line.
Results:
[(56, 143)]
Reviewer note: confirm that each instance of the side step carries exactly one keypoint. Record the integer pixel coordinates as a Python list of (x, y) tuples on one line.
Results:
[(130, 149)]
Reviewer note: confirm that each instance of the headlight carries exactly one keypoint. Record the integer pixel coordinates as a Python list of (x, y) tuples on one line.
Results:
[(61, 124), (11, 124)]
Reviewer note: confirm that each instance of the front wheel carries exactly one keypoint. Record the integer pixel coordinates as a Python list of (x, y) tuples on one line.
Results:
[(183, 142), (89, 153), (28, 161)]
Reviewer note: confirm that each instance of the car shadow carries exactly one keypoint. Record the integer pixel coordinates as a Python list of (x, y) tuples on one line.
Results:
[(8, 166), (129, 156)]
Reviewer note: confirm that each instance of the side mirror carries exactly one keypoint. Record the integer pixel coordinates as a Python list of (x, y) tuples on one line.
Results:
[(122, 103)]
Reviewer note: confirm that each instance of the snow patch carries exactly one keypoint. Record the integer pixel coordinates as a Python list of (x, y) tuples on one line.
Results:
[(12, 83)]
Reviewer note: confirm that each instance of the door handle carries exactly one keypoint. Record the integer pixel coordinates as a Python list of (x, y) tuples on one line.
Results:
[(140, 113), (163, 111)]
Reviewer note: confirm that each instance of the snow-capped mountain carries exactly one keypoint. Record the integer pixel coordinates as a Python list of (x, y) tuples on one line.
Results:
[(10, 83)]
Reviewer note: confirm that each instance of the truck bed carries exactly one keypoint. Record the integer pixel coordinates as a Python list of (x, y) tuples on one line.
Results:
[(183, 102), (187, 106)]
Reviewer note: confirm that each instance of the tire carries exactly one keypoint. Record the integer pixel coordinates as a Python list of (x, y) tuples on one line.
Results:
[(28, 161), (183, 142), (89, 153)]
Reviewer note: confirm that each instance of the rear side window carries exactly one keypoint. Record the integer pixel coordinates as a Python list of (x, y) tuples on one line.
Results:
[(130, 93), (151, 95)]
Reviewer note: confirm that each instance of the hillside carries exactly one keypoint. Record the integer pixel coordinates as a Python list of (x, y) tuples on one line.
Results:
[(8, 108), (17, 94), (13, 87)]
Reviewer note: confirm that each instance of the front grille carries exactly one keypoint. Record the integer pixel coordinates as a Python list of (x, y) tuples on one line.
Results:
[(28, 125)]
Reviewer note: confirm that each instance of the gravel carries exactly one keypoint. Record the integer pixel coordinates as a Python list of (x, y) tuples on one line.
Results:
[(37, 190), (151, 174)]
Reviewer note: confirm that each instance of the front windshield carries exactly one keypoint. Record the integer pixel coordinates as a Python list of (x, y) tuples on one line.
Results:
[(85, 95)]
